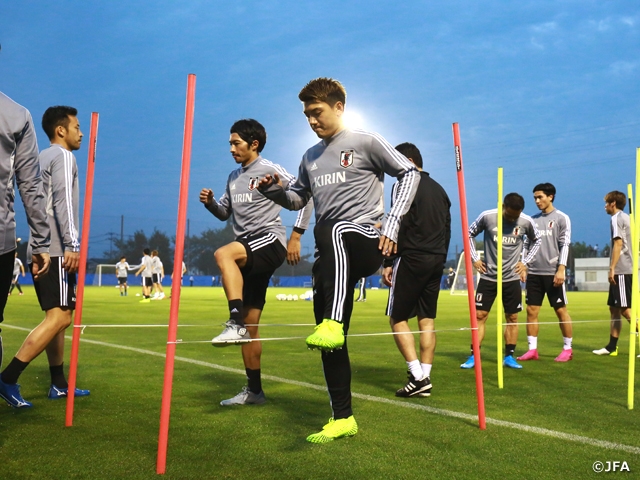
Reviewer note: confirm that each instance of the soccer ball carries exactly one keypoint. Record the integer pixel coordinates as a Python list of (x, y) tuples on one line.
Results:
[(295, 298), (289, 297), (281, 297)]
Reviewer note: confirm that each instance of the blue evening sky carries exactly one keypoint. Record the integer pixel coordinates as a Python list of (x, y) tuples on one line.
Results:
[(547, 89)]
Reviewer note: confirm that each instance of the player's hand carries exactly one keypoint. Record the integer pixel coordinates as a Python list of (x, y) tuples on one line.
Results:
[(268, 180), (480, 266), (387, 272), (293, 249), (558, 279), (40, 263), (521, 269), (387, 246), (206, 196), (612, 277), (71, 261)]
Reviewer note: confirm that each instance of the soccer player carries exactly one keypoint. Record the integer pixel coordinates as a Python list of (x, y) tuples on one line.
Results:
[(515, 225), (146, 268), (362, 290), (451, 275), (546, 272), (19, 162), (344, 173), (620, 269), (56, 289), (122, 272), (414, 275), (259, 249), (157, 273), (18, 268)]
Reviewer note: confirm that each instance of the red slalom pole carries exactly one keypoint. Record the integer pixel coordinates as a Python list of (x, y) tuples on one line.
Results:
[(469, 268), (82, 269), (165, 411)]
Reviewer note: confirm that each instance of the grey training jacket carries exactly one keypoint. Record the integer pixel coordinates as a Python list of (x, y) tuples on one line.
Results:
[(19, 163)]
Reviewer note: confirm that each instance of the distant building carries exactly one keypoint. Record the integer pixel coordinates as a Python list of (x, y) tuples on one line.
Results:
[(591, 274)]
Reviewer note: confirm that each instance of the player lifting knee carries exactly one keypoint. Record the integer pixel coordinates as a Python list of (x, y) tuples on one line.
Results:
[(248, 263), (344, 173)]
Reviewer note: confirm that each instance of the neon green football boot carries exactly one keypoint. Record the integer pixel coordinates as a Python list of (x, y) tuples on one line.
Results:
[(344, 427), (329, 335)]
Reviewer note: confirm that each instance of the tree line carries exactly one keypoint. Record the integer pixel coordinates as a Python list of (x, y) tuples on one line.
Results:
[(198, 254), (199, 250)]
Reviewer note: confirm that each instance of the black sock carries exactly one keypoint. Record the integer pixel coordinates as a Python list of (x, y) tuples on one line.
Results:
[(253, 378), (19, 288), (613, 344), (509, 349), (12, 372), (57, 376), (235, 312), (471, 347)]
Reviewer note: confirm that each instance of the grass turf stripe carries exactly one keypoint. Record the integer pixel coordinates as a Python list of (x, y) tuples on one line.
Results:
[(436, 411)]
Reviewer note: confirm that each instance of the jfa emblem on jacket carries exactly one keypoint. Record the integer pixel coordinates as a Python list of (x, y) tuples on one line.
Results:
[(346, 158), (253, 182), (551, 224), (517, 231)]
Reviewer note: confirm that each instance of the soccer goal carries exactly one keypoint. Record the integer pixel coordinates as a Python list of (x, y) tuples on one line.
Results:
[(459, 285), (105, 275)]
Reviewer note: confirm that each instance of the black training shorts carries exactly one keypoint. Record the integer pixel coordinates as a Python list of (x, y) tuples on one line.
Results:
[(57, 288), (487, 292), (265, 253), (540, 285), (415, 286), (620, 293)]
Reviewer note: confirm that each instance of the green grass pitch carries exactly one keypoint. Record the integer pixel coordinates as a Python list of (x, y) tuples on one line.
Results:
[(578, 404)]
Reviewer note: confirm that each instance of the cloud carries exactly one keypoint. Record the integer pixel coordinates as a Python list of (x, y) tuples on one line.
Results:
[(623, 67), (545, 28), (543, 33), (630, 21)]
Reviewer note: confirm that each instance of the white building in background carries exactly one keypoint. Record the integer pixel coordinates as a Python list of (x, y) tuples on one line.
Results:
[(591, 274)]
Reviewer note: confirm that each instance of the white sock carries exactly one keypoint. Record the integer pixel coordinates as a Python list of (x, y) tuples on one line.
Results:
[(533, 342), (426, 369), (414, 368), (567, 343)]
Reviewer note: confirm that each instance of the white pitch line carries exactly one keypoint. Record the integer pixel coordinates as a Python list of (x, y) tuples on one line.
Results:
[(436, 411)]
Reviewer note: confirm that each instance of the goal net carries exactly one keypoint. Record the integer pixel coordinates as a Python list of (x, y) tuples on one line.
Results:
[(459, 284), (106, 276)]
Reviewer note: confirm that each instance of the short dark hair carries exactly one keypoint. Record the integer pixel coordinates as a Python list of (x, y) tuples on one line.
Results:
[(146, 251), (323, 89), (123, 257), (514, 201), (618, 197), (409, 150), (249, 130), (547, 188), (55, 116)]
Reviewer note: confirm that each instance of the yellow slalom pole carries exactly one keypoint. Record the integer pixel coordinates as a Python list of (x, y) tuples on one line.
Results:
[(499, 307), (635, 250), (637, 233), (634, 298)]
